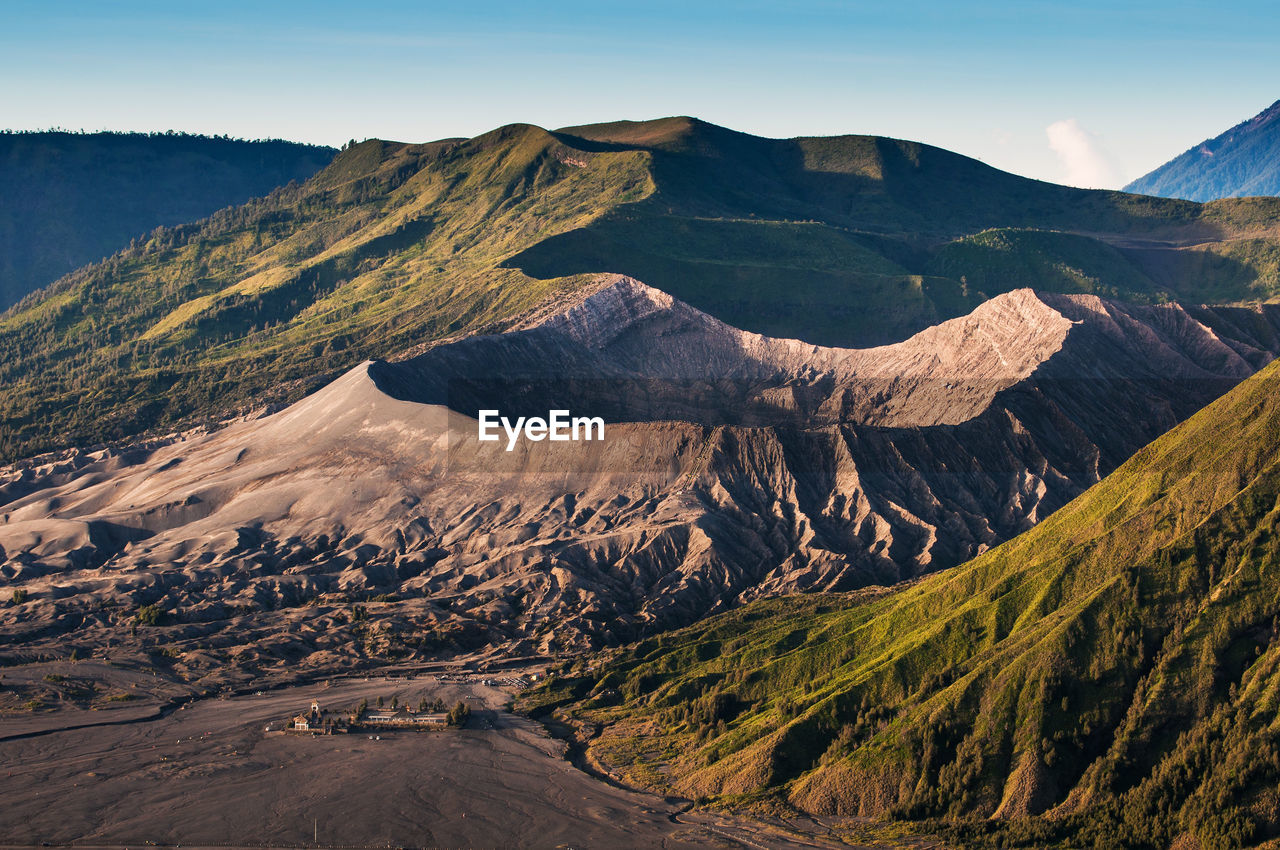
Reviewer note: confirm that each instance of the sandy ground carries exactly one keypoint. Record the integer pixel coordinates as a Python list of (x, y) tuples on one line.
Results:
[(210, 774)]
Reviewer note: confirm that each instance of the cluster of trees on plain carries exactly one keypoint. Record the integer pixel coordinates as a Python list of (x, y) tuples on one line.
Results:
[(457, 716)]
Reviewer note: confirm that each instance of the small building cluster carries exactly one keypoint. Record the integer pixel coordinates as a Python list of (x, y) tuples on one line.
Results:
[(399, 717), (319, 722)]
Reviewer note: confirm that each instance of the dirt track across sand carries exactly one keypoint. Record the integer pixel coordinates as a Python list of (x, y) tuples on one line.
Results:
[(210, 774)]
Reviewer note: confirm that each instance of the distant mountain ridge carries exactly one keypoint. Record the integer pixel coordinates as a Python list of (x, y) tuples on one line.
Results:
[(849, 241), (69, 199), (1243, 161)]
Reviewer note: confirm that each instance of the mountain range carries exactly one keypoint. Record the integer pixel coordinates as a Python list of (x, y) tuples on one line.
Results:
[(71, 199), (924, 492), (1243, 161)]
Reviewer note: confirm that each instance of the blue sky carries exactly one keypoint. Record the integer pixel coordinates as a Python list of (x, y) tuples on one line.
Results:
[(1084, 92)]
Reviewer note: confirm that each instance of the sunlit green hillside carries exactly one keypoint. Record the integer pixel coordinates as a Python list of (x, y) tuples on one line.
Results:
[(1109, 678)]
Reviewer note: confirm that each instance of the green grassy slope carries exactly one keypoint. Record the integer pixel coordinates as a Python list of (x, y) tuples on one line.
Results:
[(852, 240), (390, 246), (74, 198), (1109, 678), (1244, 160), (816, 208), (1001, 259)]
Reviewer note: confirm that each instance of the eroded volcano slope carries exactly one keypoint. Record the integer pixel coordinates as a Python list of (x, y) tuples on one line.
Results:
[(733, 465)]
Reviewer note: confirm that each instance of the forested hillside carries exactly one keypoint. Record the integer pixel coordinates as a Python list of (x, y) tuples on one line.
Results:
[(68, 199), (1243, 161)]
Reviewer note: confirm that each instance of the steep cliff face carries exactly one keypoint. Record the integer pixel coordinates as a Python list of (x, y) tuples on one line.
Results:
[(732, 466)]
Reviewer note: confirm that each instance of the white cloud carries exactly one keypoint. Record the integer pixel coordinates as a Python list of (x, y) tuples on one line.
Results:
[(1086, 163)]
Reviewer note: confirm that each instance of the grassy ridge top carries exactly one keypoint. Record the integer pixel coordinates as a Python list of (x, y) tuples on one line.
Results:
[(852, 240), (74, 198), (1117, 666), (873, 183), (816, 208)]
